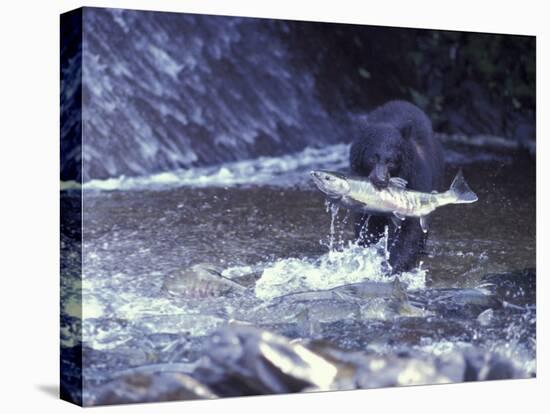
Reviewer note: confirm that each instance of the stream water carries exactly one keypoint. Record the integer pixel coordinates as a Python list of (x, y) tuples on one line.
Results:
[(263, 224)]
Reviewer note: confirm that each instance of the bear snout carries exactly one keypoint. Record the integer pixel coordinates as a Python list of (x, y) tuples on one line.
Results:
[(380, 176)]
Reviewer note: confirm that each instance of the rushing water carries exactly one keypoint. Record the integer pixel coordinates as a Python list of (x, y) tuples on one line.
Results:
[(281, 239), (162, 91)]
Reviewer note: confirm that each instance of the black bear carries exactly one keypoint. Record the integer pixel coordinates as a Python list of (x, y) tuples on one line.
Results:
[(396, 140)]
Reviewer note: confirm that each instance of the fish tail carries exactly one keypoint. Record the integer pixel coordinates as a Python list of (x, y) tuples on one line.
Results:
[(398, 291), (461, 191)]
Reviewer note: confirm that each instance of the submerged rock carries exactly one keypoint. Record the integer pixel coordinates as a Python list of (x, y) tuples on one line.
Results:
[(140, 387), (261, 362), (244, 360), (241, 360), (487, 366)]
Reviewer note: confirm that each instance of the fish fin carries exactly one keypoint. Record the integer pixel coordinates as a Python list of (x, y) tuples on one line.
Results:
[(213, 270), (404, 305), (460, 189), (397, 219), (399, 215), (343, 295), (398, 291), (396, 222), (424, 223), (303, 315), (398, 182), (307, 325)]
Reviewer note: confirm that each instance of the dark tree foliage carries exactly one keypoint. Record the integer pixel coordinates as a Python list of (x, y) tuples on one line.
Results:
[(467, 82)]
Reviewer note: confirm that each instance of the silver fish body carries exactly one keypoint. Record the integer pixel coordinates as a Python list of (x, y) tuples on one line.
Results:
[(200, 281), (394, 199), (359, 193)]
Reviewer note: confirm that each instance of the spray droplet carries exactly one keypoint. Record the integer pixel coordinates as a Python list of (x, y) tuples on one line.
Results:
[(333, 217)]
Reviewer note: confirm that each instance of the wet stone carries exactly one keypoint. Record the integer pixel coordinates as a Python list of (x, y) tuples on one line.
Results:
[(266, 362), (149, 387), (485, 366), (244, 360)]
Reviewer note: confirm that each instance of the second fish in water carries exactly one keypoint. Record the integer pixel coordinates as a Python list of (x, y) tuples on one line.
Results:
[(359, 193)]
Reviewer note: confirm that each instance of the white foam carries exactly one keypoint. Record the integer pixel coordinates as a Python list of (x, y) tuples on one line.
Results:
[(286, 170), (352, 264), (283, 171), (70, 185)]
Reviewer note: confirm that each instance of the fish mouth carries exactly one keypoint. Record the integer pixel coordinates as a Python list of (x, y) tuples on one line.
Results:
[(318, 178)]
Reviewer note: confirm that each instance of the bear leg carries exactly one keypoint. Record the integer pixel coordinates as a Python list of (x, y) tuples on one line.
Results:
[(406, 245)]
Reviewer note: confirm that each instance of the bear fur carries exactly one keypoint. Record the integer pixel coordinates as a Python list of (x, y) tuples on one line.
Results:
[(396, 140)]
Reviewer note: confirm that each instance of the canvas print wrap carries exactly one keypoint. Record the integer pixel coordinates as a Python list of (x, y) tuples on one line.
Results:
[(256, 206)]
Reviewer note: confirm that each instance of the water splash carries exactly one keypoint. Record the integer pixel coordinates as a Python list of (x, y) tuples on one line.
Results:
[(351, 264), (386, 239), (342, 264), (333, 209), (519, 342), (285, 171), (161, 98)]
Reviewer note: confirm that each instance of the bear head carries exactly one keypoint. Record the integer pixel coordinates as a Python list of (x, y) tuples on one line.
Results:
[(381, 152)]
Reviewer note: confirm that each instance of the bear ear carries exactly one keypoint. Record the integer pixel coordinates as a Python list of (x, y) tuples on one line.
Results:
[(407, 129)]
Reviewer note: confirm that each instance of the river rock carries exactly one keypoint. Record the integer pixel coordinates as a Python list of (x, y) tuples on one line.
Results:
[(143, 387)]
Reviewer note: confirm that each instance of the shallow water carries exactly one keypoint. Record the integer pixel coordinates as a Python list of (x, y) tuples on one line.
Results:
[(280, 239)]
